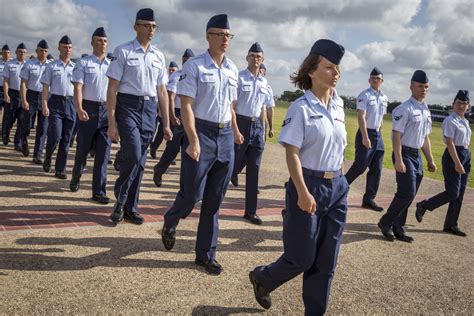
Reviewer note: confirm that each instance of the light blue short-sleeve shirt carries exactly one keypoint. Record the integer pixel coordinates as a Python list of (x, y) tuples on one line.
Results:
[(319, 133), (139, 72), (213, 88), (57, 76), (252, 94), (457, 128), (375, 106), (413, 120), (2, 66), (271, 100), (172, 86), (90, 72), (12, 73), (32, 72)]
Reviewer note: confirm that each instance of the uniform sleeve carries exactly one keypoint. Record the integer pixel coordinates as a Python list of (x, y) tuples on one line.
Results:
[(6, 71), (24, 73), (449, 129), (117, 65), (188, 82), (46, 76), (172, 85), (162, 79), (78, 72), (292, 130), (399, 119), (362, 102), (270, 101)]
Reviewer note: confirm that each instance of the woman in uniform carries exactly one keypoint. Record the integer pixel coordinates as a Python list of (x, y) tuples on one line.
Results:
[(314, 137), (456, 163)]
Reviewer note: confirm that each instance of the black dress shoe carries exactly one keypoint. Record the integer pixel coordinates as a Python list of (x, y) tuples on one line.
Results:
[(47, 164), (455, 230), (25, 150), (403, 237), (18, 148), (420, 211), (74, 185), (261, 295), (371, 205), (168, 237), (101, 199), (37, 161), (235, 181), (283, 212), (117, 164), (211, 266), (60, 175), (6, 140), (386, 232), (173, 163), (254, 218), (258, 191), (134, 217), (157, 178), (117, 214), (153, 153)]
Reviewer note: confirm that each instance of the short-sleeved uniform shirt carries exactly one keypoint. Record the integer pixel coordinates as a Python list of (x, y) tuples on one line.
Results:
[(213, 88), (90, 72), (252, 94), (271, 101), (375, 106), (172, 86), (32, 72), (413, 120), (138, 71), (57, 76), (457, 128), (12, 73), (319, 133), (2, 66)]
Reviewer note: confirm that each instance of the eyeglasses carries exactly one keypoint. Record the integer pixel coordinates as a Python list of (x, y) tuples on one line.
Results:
[(153, 27), (222, 35), (258, 57)]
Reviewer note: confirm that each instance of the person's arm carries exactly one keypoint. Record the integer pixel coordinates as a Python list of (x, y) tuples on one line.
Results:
[(44, 99), (238, 137), (83, 115), (164, 110), (189, 123), (426, 148), (363, 129), (454, 156), (112, 90), (306, 201), (270, 114), (173, 119), (6, 86), (24, 102), (397, 152)]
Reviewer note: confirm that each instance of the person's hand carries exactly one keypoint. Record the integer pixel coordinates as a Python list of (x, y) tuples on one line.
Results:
[(270, 134), (25, 105), (167, 134), (459, 168), (194, 151), (83, 116), (6, 98), (238, 138), (400, 166), (367, 143), (113, 133), (175, 121), (307, 203), (432, 166), (45, 111)]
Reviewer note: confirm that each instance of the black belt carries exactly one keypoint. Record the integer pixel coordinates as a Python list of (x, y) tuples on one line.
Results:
[(247, 118), (462, 147), (213, 124), (60, 97), (410, 149), (322, 174), (373, 130), (136, 97), (13, 91), (33, 92), (95, 102)]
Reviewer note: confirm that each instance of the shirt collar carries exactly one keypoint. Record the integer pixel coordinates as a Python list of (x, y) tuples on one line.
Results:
[(313, 100), (137, 46), (97, 60), (250, 75), (209, 62), (415, 101)]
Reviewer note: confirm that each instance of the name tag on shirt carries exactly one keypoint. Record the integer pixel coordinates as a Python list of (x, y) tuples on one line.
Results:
[(316, 117)]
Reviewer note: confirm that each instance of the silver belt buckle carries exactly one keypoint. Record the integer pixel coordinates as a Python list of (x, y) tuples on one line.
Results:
[(329, 175), (221, 125), (146, 98)]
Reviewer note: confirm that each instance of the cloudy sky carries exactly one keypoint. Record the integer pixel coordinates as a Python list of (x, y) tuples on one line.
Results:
[(397, 36)]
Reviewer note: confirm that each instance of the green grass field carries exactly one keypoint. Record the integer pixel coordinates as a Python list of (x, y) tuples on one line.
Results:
[(437, 145)]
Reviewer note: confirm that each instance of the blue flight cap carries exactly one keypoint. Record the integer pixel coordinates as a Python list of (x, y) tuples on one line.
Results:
[(100, 32), (50, 57), (262, 66), (376, 72), (188, 53), (219, 21), (420, 77), (65, 40), (145, 14), (173, 64), (5, 47), (462, 95), (256, 48), (43, 44), (21, 46), (110, 56), (330, 50), (84, 55)]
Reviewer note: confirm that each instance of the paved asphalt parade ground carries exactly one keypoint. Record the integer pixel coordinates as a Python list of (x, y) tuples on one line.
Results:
[(59, 253)]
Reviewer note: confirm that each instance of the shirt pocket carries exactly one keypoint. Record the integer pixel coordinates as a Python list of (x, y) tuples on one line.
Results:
[(90, 70)]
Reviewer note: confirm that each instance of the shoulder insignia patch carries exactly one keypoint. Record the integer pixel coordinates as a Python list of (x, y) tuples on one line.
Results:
[(286, 121), (397, 118), (182, 77)]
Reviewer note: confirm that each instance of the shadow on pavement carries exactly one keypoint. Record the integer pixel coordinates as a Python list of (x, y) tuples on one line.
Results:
[(221, 310)]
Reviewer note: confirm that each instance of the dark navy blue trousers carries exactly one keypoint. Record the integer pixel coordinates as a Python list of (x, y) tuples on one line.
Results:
[(61, 122), (13, 112), (172, 147), (206, 180), (368, 158), (93, 134), (311, 242), (158, 139), (136, 123), (455, 186), (249, 155), (35, 111), (407, 187)]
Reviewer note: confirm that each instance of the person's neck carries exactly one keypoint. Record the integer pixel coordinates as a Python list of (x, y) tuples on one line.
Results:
[(460, 114), (254, 71), (65, 60), (42, 60), (100, 56), (420, 100), (323, 95), (144, 43), (377, 90), (217, 57)]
